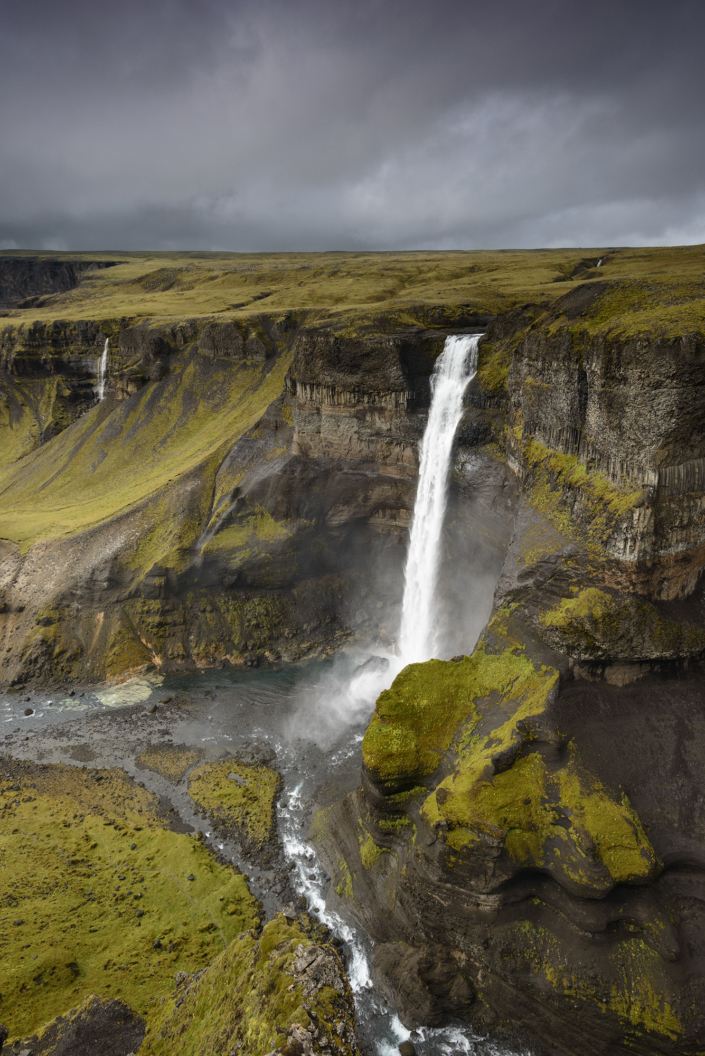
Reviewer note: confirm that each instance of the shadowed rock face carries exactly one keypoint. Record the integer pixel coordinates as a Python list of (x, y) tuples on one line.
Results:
[(96, 1025), (527, 847), (530, 820), (249, 503), (33, 279)]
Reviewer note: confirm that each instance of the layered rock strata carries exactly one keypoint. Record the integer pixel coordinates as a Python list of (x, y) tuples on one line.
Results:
[(527, 848), (229, 501)]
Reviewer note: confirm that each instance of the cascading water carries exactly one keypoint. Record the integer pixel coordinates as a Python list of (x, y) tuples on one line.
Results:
[(418, 641), (103, 370), (456, 366)]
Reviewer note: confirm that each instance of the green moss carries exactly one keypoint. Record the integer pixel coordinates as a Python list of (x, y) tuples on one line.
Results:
[(257, 528), (562, 821), (649, 290), (558, 818), (104, 465), (640, 993), (669, 306), (551, 474), (125, 652), (343, 881), (595, 624), (32, 410), (65, 841), (493, 367), (369, 851), (394, 824), (417, 719), (244, 803), (52, 641), (246, 1000), (172, 761)]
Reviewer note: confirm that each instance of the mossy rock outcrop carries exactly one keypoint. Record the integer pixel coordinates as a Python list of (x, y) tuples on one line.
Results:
[(240, 800), (277, 991)]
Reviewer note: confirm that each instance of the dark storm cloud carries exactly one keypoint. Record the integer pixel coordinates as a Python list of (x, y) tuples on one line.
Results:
[(303, 124)]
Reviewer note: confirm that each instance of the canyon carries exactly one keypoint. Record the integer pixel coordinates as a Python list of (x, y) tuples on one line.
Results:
[(526, 844)]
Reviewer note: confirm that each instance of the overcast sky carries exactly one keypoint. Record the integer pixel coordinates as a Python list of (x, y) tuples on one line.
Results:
[(351, 124)]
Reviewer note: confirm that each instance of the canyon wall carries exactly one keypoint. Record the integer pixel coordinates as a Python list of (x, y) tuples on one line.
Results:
[(240, 496), (527, 848)]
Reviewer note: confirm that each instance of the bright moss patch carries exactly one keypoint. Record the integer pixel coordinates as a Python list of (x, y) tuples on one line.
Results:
[(417, 718), (556, 818), (259, 527), (550, 475), (69, 876), (668, 306), (493, 367), (125, 652), (343, 881), (245, 1001), (562, 821), (172, 761), (596, 625), (31, 410), (115, 458), (244, 803), (369, 851)]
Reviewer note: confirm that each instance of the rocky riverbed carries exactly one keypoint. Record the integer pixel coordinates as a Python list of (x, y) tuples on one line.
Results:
[(160, 739)]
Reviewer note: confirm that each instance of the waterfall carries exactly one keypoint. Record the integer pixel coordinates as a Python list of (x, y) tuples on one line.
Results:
[(455, 368), (103, 370)]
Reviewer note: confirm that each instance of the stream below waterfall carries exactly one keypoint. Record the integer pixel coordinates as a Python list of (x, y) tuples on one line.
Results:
[(313, 716), (305, 713)]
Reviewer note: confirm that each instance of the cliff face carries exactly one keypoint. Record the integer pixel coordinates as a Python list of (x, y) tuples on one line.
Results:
[(26, 282), (527, 848), (220, 505)]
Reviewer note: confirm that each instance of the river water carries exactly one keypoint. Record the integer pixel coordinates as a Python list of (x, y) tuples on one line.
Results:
[(307, 715), (314, 717)]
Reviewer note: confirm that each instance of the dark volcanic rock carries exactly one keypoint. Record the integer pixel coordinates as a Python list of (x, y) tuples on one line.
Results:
[(532, 813), (33, 278), (97, 1025), (424, 984)]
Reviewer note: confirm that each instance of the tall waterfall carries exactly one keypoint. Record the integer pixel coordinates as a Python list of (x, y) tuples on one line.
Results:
[(103, 370), (455, 368)]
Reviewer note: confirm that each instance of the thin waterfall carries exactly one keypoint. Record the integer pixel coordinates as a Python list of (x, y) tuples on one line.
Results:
[(103, 370), (455, 368)]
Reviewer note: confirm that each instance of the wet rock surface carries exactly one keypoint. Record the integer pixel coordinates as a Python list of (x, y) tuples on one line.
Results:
[(154, 750)]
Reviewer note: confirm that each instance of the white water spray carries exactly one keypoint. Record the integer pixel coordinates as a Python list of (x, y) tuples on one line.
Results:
[(456, 366), (103, 370)]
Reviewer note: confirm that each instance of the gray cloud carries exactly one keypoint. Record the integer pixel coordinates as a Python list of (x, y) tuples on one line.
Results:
[(301, 124)]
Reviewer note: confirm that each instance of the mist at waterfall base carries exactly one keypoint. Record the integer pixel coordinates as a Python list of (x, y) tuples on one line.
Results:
[(447, 599), (448, 584), (314, 715)]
